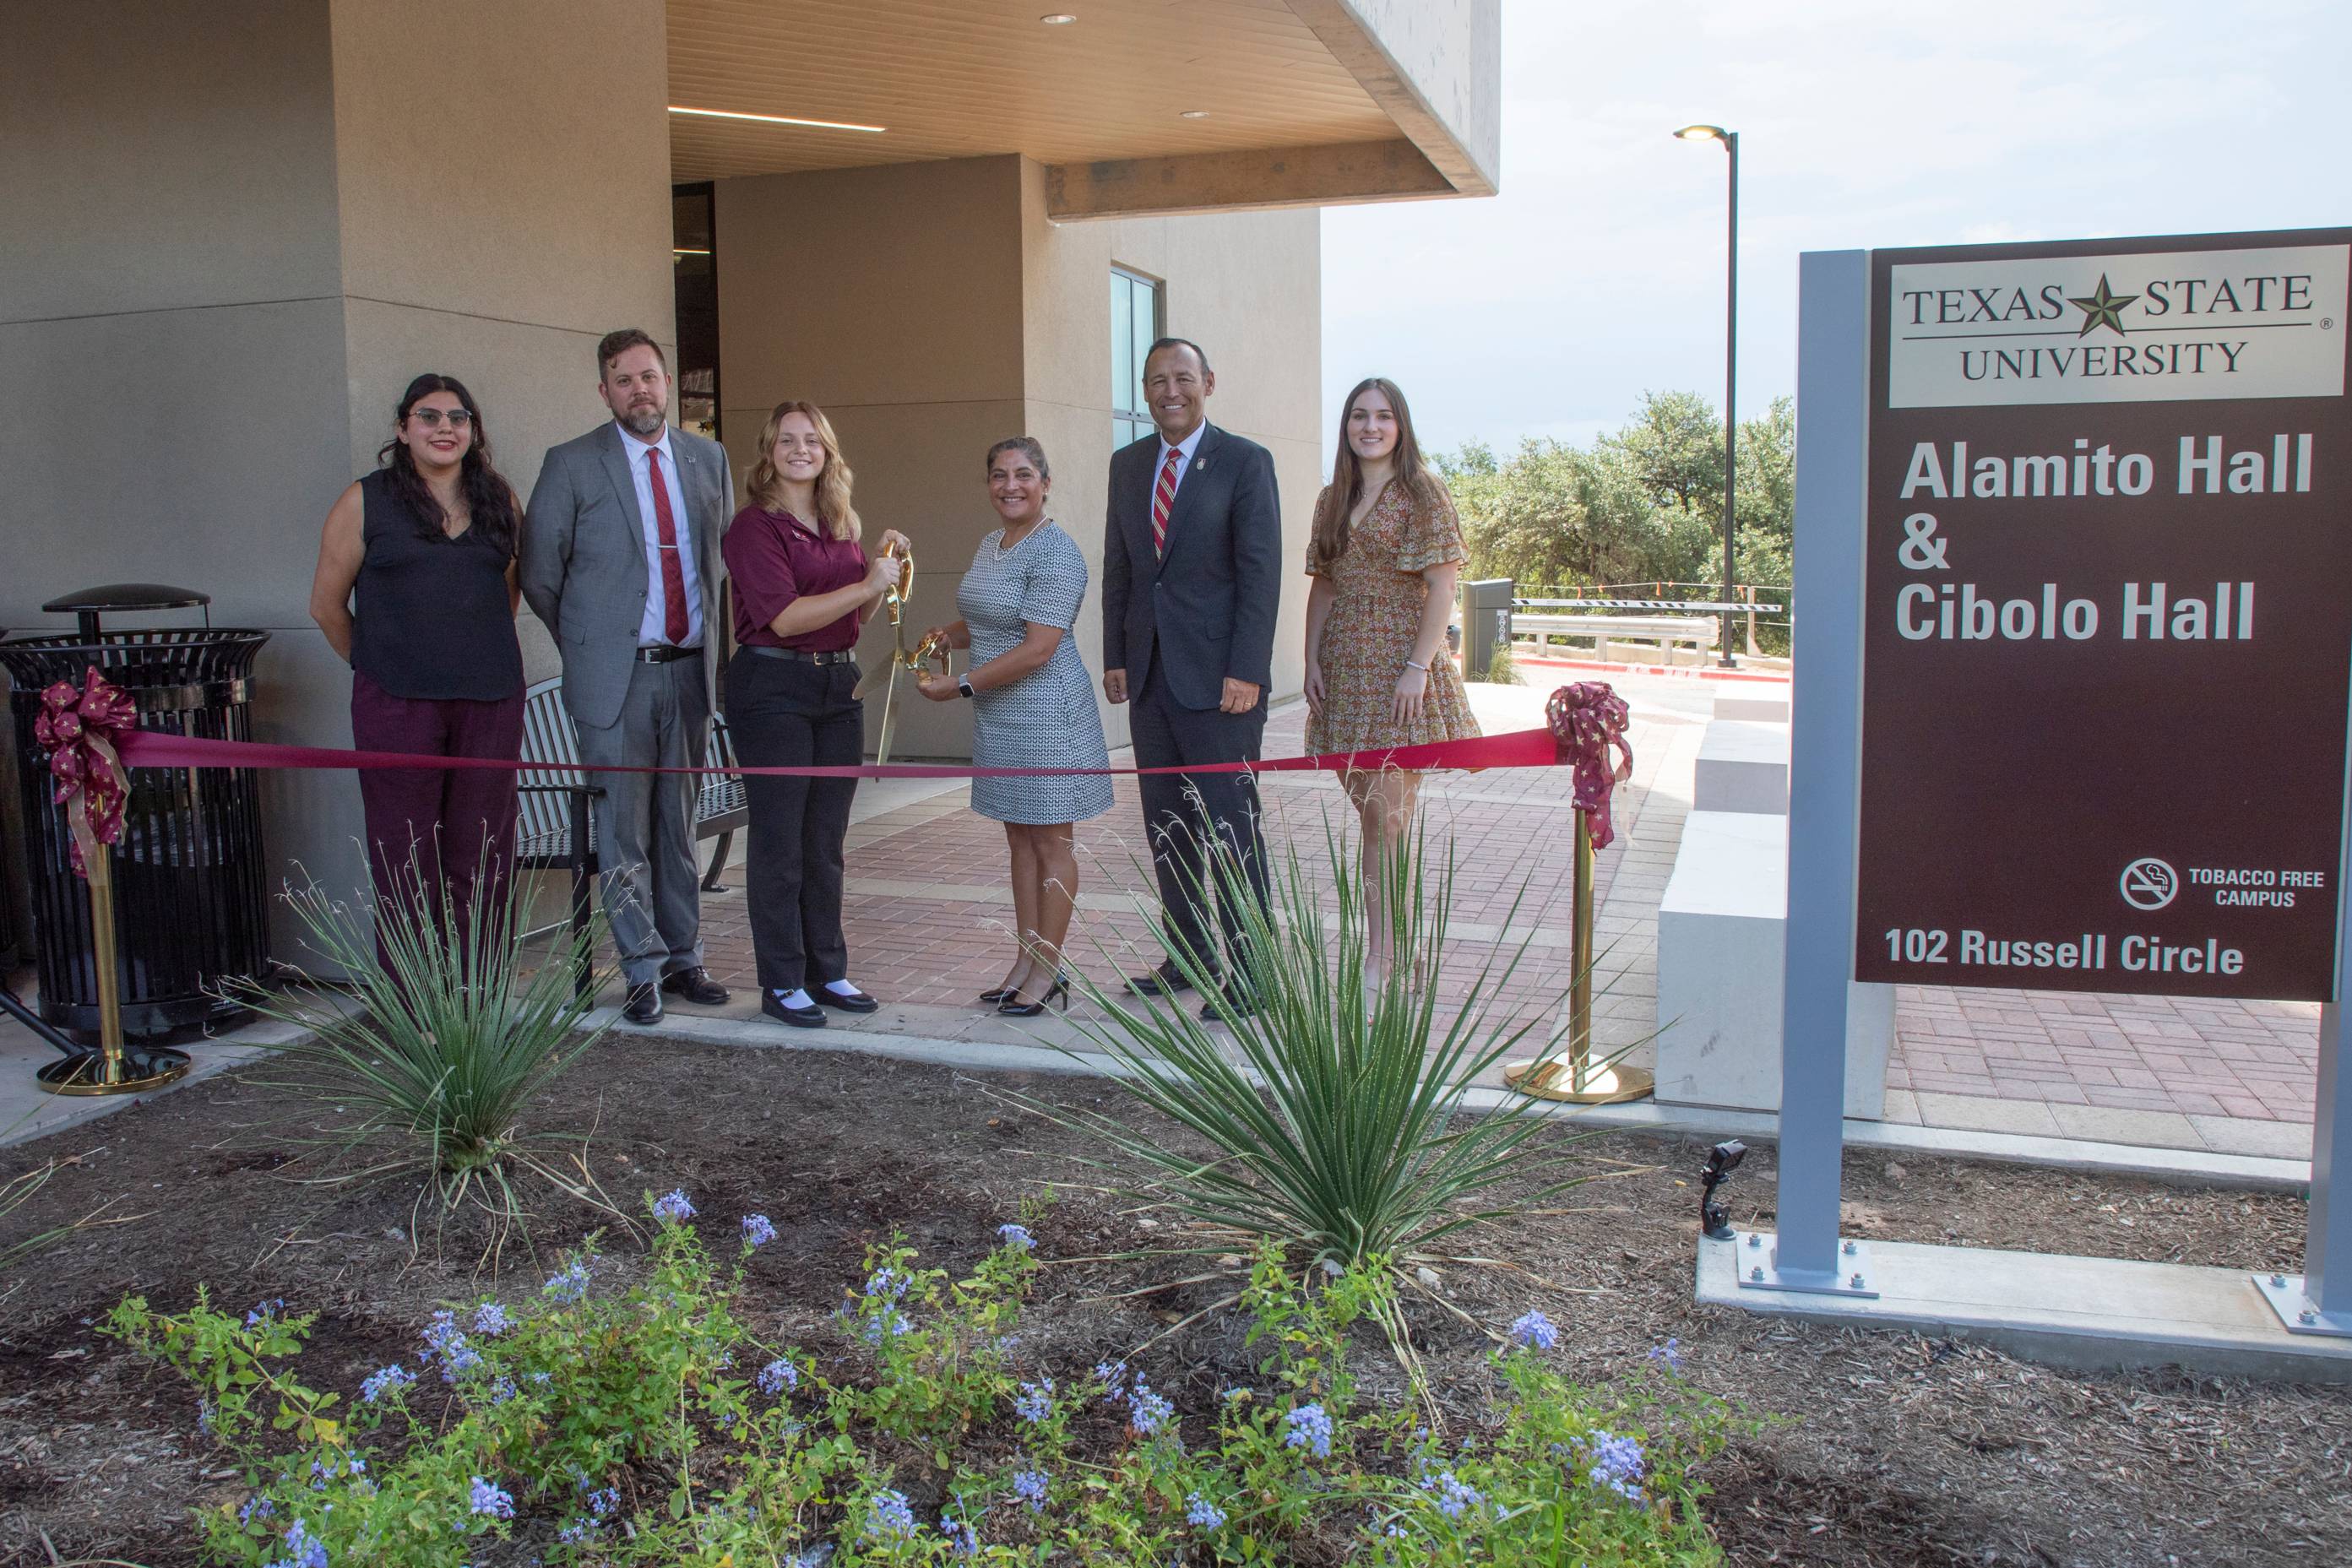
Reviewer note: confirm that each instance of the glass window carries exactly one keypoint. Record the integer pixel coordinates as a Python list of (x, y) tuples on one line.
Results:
[(1135, 317), (694, 267)]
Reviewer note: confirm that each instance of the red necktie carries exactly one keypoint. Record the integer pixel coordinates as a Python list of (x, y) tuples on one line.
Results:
[(1163, 496), (673, 575)]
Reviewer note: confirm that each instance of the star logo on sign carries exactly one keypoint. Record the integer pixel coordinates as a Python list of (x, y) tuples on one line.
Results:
[(2103, 308)]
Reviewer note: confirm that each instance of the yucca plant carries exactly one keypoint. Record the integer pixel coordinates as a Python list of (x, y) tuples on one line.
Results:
[(1337, 1113), (444, 1044)]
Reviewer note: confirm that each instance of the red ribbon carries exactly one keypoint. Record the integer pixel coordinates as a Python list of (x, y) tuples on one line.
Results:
[(1587, 719), (158, 749), (81, 730)]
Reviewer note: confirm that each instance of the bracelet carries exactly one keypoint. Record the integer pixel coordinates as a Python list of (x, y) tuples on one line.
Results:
[(1411, 665)]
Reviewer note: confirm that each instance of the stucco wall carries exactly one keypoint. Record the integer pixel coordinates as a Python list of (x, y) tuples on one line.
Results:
[(931, 309), (235, 236)]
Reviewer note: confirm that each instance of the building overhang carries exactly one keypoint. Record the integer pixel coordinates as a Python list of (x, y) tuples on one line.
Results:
[(1135, 108)]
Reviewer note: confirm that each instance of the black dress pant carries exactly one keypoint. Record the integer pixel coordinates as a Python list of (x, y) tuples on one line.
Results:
[(1181, 811), (788, 712)]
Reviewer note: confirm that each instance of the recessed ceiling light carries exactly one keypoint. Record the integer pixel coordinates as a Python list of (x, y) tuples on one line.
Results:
[(777, 120), (1194, 114), (1058, 19)]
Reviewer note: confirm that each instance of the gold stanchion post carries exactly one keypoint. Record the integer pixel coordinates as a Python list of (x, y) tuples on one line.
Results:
[(1570, 1076), (107, 1070)]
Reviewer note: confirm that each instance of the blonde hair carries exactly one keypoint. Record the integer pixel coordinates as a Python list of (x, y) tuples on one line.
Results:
[(835, 518)]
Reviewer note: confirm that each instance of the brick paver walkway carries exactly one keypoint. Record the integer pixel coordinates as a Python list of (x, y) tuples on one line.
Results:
[(929, 927)]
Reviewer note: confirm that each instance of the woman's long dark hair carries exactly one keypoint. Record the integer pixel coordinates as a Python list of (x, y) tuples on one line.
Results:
[(489, 497), (1329, 539)]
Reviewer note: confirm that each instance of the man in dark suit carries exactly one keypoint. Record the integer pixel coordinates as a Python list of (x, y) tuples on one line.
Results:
[(620, 558), (1192, 582)]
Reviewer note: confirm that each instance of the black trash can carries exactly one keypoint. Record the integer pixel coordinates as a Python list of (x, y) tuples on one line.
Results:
[(191, 910)]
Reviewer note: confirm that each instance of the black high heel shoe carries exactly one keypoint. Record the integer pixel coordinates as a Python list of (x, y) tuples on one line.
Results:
[(1018, 1010), (1001, 994)]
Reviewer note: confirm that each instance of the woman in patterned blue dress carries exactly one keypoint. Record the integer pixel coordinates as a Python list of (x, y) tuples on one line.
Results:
[(1033, 706)]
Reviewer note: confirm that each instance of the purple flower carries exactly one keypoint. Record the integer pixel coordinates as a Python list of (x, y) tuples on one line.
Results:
[(960, 1536), (1308, 1428), (444, 1340), (889, 1281), (777, 1376), (491, 1501), (1615, 1464), (893, 1520), (1535, 1332), (264, 1311), (1147, 1412), (1203, 1514), (757, 1230), (672, 1207), (1454, 1496), (568, 1286), (490, 1320), (385, 1381), (1035, 1401), (1669, 1355), (256, 1506), (1113, 1376), (1017, 1237), (1030, 1486), (303, 1549)]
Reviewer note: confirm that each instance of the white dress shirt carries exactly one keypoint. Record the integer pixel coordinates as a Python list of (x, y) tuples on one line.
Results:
[(1188, 447), (653, 630)]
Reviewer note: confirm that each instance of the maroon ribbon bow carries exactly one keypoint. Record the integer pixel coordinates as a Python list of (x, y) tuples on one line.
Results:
[(78, 729), (1587, 719)]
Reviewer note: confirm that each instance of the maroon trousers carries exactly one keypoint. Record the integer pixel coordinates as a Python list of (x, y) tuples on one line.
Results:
[(448, 827)]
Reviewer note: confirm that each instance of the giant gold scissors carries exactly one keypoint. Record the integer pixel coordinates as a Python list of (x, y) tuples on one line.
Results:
[(895, 601)]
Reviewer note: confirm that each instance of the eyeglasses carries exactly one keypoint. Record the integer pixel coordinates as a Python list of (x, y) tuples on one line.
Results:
[(431, 418)]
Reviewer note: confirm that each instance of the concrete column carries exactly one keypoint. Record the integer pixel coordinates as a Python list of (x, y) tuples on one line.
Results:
[(239, 232)]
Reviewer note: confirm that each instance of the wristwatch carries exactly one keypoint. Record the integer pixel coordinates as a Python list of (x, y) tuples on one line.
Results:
[(963, 685)]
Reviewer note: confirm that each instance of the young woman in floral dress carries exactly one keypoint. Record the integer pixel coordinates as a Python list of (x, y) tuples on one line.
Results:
[(1385, 556)]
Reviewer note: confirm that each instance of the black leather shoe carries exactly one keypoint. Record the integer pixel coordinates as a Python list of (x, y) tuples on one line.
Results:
[(1228, 1004), (695, 986), (1164, 981), (644, 1006), (799, 1018), (855, 1002), (1016, 1006)]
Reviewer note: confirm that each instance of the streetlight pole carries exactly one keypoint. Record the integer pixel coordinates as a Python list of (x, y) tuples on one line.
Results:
[(1730, 140)]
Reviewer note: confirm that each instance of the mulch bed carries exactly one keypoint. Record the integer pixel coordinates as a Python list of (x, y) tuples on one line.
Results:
[(1882, 1449)]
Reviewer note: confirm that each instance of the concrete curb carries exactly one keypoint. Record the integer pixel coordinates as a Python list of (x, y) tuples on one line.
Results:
[(2186, 1167)]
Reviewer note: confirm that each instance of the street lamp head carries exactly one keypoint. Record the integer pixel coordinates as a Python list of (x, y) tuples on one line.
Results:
[(1703, 133)]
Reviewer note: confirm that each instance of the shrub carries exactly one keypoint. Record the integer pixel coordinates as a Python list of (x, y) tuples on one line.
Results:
[(453, 1036), (651, 1425), (1337, 1118)]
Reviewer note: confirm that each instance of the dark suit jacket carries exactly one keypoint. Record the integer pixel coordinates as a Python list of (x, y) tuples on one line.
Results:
[(1211, 603)]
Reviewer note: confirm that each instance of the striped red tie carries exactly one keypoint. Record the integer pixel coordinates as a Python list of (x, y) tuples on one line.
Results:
[(1163, 496)]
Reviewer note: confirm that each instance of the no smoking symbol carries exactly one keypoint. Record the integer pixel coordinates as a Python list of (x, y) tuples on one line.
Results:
[(2149, 884)]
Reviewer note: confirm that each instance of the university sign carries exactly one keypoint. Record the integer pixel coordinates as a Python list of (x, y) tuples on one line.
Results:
[(2106, 617)]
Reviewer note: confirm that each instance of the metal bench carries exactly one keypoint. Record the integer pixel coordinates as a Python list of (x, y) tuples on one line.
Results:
[(557, 829), (1665, 631)]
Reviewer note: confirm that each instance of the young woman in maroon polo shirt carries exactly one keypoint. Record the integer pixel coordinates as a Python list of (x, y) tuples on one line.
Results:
[(804, 585)]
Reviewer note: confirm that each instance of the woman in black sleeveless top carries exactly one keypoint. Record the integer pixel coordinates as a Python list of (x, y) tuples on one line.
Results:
[(415, 589)]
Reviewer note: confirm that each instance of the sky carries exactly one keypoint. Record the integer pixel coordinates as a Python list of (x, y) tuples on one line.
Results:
[(1598, 273)]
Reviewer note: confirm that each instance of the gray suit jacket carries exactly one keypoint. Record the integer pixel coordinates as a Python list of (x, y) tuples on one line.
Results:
[(584, 560), (1211, 605)]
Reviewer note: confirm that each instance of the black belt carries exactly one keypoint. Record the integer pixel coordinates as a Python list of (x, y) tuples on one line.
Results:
[(666, 654), (803, 656)]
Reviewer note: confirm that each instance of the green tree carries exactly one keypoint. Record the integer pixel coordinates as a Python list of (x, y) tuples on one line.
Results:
[(1643, 502)]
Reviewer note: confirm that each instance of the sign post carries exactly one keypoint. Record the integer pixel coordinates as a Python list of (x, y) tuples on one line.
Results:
[(2076, 657)]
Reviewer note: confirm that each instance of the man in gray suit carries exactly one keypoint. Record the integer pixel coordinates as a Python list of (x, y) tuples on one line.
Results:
[(620, 560), (1192, 584)]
